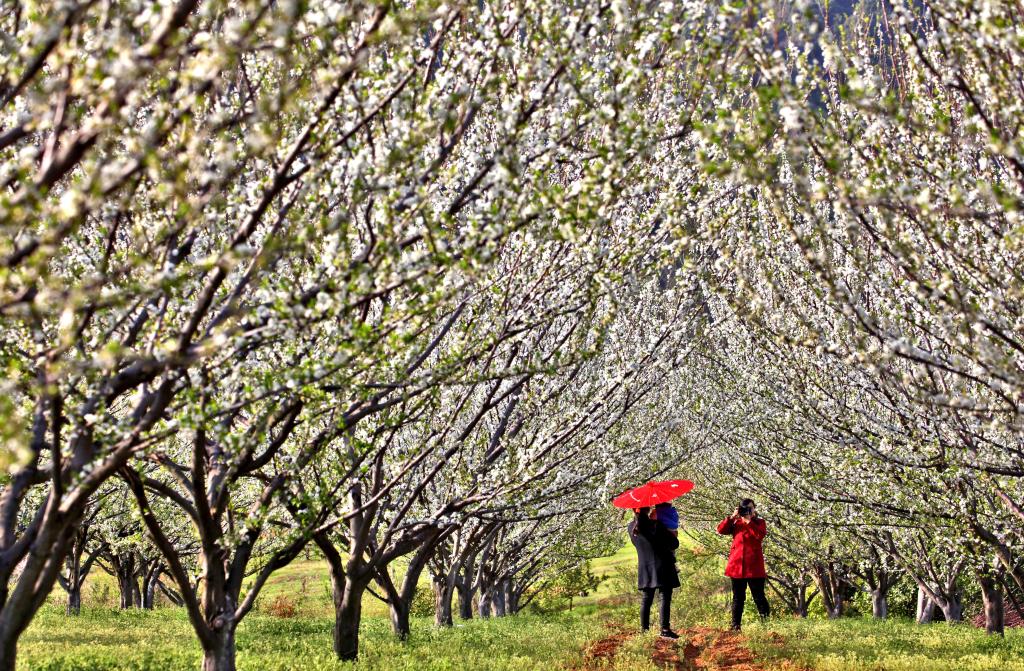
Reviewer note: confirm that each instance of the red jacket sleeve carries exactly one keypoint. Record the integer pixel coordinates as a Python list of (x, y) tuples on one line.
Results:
[(759, 527), (725, 526)]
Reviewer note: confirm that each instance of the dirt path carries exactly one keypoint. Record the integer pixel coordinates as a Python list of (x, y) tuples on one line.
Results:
[(601, 653), (706, 648), (698, 649)]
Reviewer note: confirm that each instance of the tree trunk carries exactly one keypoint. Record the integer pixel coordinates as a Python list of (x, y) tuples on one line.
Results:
[(22, 594), (136, 593), (465, 601), (8, 652), (126, 583), (72, 582), (952, 610), (793, 593), (400, 599), (74, 598), (925, 607), (498, 599), (879, 603), (172, 595), (484, 607), (833, 603), (221, 655), (149, 579), (400, 619), (803, 601), (831, 590), (992, 597), (349, 581), (148, 594), (443, 592), (513, 599), (348, 609), (348, 604)]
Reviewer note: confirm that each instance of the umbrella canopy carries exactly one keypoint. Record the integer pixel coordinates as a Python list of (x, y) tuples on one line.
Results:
[(652, 493)]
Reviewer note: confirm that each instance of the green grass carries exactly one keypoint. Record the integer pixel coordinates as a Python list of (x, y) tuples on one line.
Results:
[(104, 639), (858, 644), (611, 568)]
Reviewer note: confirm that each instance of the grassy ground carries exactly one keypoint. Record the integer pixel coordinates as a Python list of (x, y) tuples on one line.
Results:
[(106, 639), (853, 644), (162, 640), (616, 569)]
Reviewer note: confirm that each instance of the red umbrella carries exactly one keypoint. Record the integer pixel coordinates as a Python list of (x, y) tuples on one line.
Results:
[(652, 493)]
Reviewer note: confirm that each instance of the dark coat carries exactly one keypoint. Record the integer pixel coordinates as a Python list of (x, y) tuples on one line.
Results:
[(656, 562), (746, 558)]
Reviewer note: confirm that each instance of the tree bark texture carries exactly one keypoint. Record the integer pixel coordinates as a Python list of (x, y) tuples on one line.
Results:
[(444, 590), (220, 655), (925, 607), (465, 593), (992, 598), (879, 603)]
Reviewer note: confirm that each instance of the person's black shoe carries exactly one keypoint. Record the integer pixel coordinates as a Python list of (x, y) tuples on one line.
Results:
[(668, 633), (734, 627)]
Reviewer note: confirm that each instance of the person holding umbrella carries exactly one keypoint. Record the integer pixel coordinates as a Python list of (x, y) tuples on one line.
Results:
[(655, 548), (746, 559)]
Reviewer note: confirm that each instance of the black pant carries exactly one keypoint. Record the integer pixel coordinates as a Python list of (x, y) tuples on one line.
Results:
[(739, 598), (647, 600)]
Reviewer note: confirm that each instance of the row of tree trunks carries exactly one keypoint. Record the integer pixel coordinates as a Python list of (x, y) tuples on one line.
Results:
[(137, 579), (76, 571), (828, 578), (445, 593), (127, 581), (795, 593)]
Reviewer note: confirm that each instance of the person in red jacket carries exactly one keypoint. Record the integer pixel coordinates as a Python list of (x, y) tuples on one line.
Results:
[(746, 559)]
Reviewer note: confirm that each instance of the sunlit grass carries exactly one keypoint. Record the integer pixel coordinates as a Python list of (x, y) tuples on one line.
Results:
[(107, 639), (162, 640), (856, 644)]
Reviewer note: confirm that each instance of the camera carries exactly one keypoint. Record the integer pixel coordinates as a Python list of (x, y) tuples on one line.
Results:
[(745, 510)]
